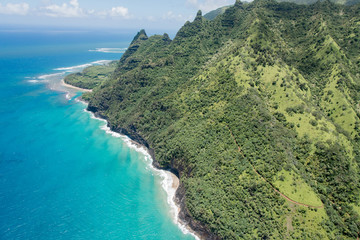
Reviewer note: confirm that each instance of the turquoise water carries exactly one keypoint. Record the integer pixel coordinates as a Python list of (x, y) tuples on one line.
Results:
[(61, 175)]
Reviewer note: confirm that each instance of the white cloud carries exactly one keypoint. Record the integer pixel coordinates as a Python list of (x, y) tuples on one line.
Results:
[(208, 5), (14, 8), (119, 11), (115, 12), (71, 9)]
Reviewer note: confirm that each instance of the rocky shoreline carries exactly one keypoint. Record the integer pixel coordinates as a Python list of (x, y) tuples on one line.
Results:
[(198, 229)]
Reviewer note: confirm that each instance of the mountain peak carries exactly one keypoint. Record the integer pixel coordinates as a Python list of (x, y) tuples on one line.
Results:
[(198, 16), (140, 36), (238, 3)]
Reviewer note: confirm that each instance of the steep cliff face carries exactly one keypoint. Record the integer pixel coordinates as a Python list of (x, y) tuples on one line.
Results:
[(258, 113)]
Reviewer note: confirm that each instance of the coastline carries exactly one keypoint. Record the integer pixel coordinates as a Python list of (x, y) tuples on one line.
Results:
[(170, 181), (63, 83)]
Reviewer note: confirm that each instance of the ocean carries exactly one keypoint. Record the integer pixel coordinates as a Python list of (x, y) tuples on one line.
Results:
[(63, 173)]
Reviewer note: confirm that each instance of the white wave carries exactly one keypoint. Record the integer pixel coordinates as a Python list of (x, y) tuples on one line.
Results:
[(45, 78), (102, 62), (166, 176), (108, 50), (33, 81), (73, 68), (167, 185), (82, 66), (51, 76)]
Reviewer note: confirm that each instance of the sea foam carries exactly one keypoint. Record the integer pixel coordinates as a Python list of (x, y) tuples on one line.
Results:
[(50, 76), (108, 50), (82, 66), (46, 78), (33, 81)]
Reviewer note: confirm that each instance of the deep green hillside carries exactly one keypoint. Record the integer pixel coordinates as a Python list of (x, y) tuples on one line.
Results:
[(343, 2), (258, 112)]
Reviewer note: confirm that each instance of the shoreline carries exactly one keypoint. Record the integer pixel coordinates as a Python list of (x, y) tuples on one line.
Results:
[(64, 84), (169, 181)]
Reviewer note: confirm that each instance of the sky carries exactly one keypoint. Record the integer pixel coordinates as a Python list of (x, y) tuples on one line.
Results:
[(116, 14)]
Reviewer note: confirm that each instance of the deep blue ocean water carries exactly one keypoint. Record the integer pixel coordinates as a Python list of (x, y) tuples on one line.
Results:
[(61, 175)]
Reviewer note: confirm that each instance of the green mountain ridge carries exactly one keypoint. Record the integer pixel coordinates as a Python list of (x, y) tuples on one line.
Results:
[(213, 14), (262, 99), (343, 2)]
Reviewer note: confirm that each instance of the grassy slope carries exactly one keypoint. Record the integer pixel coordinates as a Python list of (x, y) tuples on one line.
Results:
[(285, 80)]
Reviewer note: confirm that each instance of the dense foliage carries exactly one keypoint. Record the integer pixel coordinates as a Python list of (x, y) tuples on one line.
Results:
[(284, 79), (345, 2)]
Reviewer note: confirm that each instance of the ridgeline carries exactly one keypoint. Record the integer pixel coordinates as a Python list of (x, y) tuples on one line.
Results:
[(252, 109)]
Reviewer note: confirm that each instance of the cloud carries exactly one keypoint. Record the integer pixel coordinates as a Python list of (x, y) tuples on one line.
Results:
[(14, 9), (119, 11), (71, 9), (208, 5), (115, 12)]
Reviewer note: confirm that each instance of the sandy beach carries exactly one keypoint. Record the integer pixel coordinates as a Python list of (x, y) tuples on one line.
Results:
[(73, 87), (175, 181)]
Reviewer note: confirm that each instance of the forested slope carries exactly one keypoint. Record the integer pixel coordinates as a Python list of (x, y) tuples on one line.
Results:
[(263, 99), (344, 2)]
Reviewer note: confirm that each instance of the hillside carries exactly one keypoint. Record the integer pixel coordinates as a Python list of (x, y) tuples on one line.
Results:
[(343, 2), (213, 14), (257, 111)]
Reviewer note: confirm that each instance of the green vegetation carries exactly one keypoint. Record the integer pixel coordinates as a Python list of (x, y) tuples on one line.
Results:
[(91, 76), (295, 187), (285, 79), (344, 2)]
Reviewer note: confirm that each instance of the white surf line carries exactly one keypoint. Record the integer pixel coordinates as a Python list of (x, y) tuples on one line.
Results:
[(109, 50), (82, 66)]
